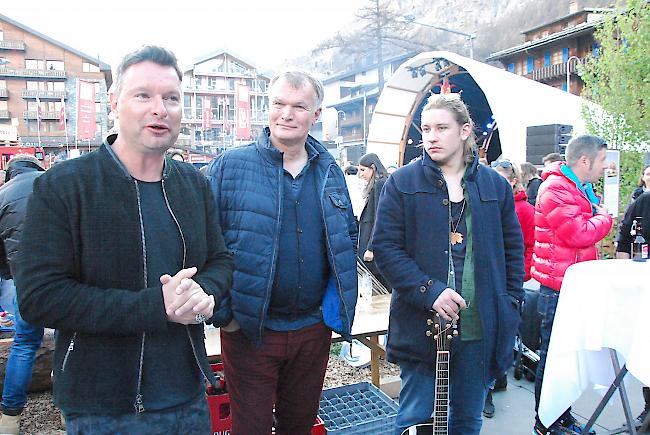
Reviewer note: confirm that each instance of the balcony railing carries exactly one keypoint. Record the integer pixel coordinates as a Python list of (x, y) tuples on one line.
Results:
[(31, 114), (42, 94), (552, 71), (352, 137), (208, 90), (4, 93), (4, 114), (12, 45), (31, 73), (350, 121)]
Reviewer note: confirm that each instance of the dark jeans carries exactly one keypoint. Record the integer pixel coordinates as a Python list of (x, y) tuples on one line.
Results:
[(190, 419), (546, 306), (286, 371), (18, 373), (467, 390)]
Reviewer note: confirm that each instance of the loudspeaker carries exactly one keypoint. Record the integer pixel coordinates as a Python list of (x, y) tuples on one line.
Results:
[(545, 139)]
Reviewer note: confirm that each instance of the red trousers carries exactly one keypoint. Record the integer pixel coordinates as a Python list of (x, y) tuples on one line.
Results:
[(289, 366)]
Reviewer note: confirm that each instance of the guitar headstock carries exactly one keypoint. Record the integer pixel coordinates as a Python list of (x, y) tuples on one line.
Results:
[(442, 331)]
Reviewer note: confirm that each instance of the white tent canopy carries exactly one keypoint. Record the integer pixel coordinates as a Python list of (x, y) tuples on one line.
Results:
[(515, 102)]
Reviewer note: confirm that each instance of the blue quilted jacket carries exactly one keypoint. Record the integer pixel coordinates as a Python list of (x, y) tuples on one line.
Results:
[(247, 185)]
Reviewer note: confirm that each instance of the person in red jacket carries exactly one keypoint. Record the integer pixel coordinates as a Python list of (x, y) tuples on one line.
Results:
[(524, 210), (569, 221)]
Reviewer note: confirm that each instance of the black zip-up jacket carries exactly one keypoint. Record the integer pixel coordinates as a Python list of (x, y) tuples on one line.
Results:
[(81, 269), (13, 203)]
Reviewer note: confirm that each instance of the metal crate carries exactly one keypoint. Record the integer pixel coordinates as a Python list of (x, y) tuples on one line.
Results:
[(357, 409)]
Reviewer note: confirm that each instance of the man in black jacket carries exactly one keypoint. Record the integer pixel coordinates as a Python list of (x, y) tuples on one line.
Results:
[(22, 171), (123, 254)]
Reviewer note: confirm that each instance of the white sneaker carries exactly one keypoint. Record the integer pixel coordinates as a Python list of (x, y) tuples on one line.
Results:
[(9, 424)]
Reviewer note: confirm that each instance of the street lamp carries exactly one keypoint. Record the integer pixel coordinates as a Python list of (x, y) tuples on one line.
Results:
[(469, 36), (568, 71)]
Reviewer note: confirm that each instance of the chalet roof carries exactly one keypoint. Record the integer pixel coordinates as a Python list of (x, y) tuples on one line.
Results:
[(574, 31), (569, 16), (216, 53)]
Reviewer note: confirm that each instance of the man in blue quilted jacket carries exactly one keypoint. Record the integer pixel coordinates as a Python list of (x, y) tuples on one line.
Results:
[(287, 219)]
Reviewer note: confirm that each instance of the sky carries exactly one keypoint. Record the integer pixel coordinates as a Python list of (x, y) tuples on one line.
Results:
[(264, 33)]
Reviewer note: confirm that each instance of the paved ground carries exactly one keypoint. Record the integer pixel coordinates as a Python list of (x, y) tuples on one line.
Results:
[(515, 409)]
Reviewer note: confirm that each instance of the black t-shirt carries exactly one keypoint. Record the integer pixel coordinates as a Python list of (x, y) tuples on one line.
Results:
[(171, 376)]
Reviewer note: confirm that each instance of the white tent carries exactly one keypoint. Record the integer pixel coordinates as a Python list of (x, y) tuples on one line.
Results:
[(515, 103)]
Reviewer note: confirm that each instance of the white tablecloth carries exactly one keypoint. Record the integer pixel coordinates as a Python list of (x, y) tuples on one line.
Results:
[(603, 304)]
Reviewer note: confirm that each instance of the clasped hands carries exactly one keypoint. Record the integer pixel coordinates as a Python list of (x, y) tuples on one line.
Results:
[(184, 298)]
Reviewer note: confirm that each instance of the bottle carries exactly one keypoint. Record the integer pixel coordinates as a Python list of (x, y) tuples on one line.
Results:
[(365, 290), (639, 245)]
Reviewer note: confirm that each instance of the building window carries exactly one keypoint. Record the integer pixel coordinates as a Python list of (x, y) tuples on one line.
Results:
[(1, 35), (187, 106), (55, 65), (35, 86), (231, 107), (89, 67), (34, 64), (530, 64), (3, 84), (236, 67), (565, 54), (518, 68), (199, 106), (557, 57), (56, 86), (547, 58), (595, 50), (511, 68)]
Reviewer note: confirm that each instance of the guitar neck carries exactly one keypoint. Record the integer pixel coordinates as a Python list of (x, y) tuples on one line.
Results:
[(441, 404)]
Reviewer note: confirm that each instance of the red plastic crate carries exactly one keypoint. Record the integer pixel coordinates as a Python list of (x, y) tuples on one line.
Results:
[(219, 405)]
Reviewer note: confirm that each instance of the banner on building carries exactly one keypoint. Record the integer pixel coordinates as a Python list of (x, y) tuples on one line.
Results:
[(86, 124), (207, 114), (62, 115), (243, 113)]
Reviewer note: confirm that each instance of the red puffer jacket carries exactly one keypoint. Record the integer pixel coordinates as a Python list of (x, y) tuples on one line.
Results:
[(566, 230), (526, 215)]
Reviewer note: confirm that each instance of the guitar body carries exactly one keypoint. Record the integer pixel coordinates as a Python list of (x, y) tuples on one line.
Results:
[(442, 332), (420, 429)]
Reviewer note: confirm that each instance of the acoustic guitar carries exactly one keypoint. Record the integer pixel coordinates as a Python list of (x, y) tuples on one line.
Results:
[(443, 332)]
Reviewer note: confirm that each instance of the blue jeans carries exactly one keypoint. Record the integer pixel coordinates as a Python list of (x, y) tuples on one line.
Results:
[(18, 373), (190, 419), (467, 390), (546, 306)]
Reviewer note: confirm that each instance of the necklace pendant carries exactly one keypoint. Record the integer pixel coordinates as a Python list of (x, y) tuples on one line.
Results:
[(455, 238)]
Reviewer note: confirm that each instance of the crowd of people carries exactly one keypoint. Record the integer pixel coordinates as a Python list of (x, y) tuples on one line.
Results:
[(137, 250)]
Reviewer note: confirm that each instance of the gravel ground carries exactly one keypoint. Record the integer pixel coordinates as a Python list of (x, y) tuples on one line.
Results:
[(42, 418)]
